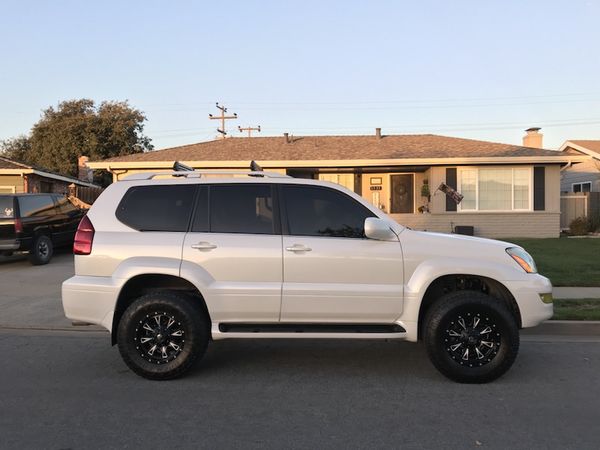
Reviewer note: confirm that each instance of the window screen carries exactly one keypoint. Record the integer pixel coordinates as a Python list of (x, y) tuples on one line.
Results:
[(241, 208), (157, 208), (324, 212), (36, 206)]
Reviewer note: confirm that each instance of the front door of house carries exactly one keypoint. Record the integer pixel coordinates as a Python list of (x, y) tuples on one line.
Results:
[(403, 194)]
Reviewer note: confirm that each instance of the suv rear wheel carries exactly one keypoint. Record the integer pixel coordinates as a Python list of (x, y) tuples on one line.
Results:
[(471, 337), (161, 335), (41, 250)]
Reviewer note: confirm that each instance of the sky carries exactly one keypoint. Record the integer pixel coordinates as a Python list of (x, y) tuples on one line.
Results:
[(475, 69)]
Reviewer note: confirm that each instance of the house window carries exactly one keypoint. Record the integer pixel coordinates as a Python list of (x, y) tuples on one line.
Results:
[(582, 187), (495, 189), (345, 179)]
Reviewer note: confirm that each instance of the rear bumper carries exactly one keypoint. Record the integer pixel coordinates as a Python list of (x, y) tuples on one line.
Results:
[(90, 299), (9, 244)]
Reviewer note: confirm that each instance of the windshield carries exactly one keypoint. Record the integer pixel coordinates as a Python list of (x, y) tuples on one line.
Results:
[(6, 208)]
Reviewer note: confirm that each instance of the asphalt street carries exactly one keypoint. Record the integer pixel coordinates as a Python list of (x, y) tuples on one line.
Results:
[(70, 389)]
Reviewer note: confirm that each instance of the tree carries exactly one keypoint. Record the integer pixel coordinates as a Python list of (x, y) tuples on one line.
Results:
[(16, 149), (79, 127)]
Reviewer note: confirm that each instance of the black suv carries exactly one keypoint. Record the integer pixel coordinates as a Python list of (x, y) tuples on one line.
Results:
[(36, 223)]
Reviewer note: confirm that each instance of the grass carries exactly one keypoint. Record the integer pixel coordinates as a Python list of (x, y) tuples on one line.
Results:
[(580, 309), (566, 261)]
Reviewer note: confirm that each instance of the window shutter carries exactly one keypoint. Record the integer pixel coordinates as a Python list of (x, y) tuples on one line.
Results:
[(539, 188), (451, 181)]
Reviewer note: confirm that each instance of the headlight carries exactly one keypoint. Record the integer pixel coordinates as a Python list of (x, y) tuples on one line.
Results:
[(522, 258)]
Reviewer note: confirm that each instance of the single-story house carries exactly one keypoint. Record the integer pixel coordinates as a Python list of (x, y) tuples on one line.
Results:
[(508, 190), (16, 177), (584, 177)]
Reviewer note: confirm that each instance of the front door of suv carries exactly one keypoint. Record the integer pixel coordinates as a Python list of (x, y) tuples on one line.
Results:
[(332, 273), (234, 248)]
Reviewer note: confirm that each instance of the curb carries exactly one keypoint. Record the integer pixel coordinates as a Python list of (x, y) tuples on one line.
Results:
[(565, 328)]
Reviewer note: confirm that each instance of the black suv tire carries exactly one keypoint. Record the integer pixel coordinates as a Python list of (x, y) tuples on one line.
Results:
[(41, 250), (162, 334), (471, 337)]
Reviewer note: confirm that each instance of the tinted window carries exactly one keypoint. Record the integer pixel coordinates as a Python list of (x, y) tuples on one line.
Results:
[(241, 208), (157, 208), (6, 208), (65, 206), (323, 212), (36, 206), (200, 223)]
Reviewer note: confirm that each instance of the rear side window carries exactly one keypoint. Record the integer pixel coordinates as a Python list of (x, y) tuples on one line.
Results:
[(241, 208), (157, 208), (315, 211), (36, 206), (7, 210), (65, 206)]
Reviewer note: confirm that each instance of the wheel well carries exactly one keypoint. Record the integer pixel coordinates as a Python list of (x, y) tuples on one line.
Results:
[(461, 282), (148, 283)]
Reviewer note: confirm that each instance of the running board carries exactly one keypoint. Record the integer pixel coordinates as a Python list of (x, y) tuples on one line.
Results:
[(309, 328)]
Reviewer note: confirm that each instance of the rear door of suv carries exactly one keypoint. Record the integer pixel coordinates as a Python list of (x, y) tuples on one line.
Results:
[(234, 247), (8, 215), (332, 273)]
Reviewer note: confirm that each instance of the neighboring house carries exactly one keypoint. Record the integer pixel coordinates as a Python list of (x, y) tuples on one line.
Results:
[(584, 177), (508, 190), (19, 178)]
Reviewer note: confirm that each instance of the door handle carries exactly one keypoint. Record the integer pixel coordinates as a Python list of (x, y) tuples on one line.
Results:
[(204, 246), (298, 248)]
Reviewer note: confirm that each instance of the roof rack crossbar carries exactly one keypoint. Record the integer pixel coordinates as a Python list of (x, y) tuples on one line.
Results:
[(200, 173)]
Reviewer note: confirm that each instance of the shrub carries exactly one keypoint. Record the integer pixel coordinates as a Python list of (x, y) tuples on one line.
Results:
[(580, 226)]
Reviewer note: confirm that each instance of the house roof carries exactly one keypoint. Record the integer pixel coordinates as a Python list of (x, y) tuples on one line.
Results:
[(6, 163), (315, 148), (592, 146), (8, 166)]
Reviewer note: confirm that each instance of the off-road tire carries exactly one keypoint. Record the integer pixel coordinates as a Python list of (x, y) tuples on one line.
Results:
[(442, 327), (41, 250), (189, 320)]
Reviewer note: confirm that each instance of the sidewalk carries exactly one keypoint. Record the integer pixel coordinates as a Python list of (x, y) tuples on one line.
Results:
[(576, 292)]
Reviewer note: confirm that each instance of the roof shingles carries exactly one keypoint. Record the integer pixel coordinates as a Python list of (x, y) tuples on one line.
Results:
[(335, 148)]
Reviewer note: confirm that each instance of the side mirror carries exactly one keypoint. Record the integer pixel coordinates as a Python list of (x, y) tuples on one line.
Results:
[(376, 228)]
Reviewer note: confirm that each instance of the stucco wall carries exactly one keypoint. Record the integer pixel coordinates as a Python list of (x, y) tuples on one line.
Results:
[(11, 183)]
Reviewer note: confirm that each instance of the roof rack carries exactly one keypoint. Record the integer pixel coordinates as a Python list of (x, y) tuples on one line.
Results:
[(200, 173)]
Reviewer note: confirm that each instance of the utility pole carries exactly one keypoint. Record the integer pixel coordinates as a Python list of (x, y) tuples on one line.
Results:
[(249, 130), (222, 118)]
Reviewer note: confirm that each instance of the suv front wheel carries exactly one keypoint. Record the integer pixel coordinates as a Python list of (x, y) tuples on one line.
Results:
[(161, 335), (471, 337)]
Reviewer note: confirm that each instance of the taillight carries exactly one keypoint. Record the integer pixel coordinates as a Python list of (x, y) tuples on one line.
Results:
[(18, 226), (84, 237)]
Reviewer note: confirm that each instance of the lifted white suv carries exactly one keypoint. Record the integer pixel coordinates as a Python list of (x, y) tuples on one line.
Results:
[(168, 263)]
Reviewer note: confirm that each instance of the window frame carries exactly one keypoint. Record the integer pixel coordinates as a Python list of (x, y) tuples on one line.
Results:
[(285, 227), (477, 169), (581, 183)]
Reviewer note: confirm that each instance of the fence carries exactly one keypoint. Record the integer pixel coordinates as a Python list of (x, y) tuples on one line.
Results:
[(579, 204), (85, 193)]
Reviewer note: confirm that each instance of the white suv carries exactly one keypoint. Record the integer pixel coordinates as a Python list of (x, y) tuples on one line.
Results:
[(168, 263)]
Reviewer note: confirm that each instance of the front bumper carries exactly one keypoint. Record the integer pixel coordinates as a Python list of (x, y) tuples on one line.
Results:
[(528, 296), (90, 299)]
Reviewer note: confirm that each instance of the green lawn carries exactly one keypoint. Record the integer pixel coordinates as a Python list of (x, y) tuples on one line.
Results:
[(566, 261), (580, 309)]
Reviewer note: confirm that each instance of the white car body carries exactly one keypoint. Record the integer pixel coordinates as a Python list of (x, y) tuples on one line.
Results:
[(270, 279)]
